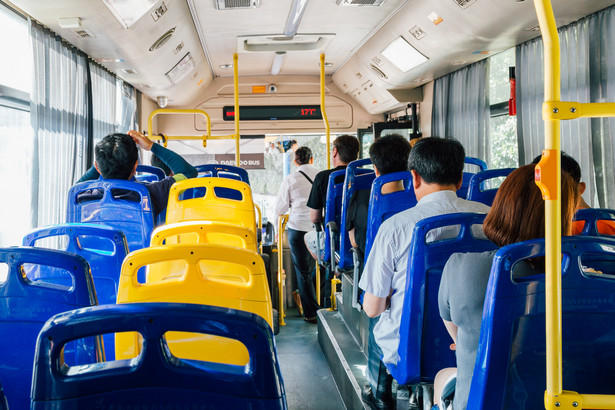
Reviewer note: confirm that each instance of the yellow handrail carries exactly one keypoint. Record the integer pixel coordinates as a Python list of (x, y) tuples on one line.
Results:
[(317, 280), (164, 139), (236, 100), (334, 282), (323, 110), (548, 178), (282, 220), (259, 226)]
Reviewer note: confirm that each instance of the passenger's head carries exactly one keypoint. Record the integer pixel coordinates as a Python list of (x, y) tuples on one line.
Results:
[(157, 162), (116, 156), (518, 210), (345, 149), (303, 156), (390, 154), (437, 161)]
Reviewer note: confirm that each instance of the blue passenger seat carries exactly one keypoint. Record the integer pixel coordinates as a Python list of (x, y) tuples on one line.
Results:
[(149, 173), (218, 171), (465, 184), (27, 305), (124, 205), (357, 179), (158, 379), (598, 222), (333, 216), (103, 247), (423, 339), (479, 188), (510, 364)]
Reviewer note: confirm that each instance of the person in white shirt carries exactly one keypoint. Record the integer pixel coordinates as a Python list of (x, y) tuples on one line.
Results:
[(436, 166), (293, 195)]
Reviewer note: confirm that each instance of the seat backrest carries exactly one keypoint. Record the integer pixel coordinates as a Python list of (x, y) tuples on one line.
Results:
[(211, 206), (510, 363), (27, 305), (382, 207), (223, 171), (598, 222), (208, 274), (159, 379), (357, 179), (478, 188), (423, 339), (465, 184), (94, 202), (149, 173), (103, 247), (333, 208)]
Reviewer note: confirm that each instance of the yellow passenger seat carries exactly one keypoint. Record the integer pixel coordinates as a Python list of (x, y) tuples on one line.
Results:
[(210, 274), (225, 200)]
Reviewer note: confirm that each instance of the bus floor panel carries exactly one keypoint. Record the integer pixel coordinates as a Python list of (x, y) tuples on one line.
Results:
[(308, 381), (345, 357)]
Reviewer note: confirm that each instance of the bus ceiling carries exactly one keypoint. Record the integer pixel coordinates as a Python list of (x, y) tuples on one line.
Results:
[(175, 49)]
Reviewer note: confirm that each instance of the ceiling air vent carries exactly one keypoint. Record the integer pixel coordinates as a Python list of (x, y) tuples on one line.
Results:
[(379, 72), (83, 33), (464, 4), (237, 4), (359, 2), (162, 40)]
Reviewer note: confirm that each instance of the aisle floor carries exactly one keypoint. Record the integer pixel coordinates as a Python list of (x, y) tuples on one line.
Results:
[(307, 378)]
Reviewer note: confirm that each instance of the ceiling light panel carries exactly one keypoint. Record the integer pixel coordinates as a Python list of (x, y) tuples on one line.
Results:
[(128, 12), (403, 55)]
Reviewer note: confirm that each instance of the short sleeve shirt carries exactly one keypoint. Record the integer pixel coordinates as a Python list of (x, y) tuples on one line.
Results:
[(385, 268), (318, 194)]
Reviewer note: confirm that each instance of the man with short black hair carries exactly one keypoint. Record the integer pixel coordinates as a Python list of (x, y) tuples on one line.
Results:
[(292, 195), (345, 150), (117, 157), (436, 166)]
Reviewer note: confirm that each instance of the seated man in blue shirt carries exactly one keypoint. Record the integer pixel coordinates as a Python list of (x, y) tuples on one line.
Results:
[(436, 166), (117, 157)]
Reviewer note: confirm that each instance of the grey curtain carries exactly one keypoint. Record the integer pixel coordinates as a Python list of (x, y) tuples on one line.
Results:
[(104, 102), (587, 75), (127, 107), (59, 107), (461, 108)]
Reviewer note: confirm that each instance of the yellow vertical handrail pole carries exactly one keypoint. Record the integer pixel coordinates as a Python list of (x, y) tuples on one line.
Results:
[(282, 220), (548, 178), (318, 281), (236, 98), (259, 225), (323, 110)]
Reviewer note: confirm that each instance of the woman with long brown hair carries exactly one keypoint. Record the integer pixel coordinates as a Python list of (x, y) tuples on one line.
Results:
[(517, 214)]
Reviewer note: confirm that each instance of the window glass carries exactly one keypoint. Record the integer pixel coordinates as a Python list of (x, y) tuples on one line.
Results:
[(16, 140), (503, 146), (16, 70)]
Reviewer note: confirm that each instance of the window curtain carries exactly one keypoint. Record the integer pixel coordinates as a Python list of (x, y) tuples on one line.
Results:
[(127, 109), (587, 75), (104, 103), (461, 108), (59, 107)]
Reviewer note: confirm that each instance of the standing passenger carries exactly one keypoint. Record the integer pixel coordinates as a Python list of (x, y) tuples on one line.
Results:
[(517, 214), (436, 166), (293, 195), (117, 157)]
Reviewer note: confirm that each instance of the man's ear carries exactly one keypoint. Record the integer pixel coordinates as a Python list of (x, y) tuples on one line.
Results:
[(458, 184), (134, 170), (416, 179), (376, 171), (312, 160), (96, 166), (582, 187)]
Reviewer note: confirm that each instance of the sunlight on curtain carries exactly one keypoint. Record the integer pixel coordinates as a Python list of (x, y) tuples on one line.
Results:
[(59, 117), (461, 108), (127, 107), (587, 75), (103, 102)]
